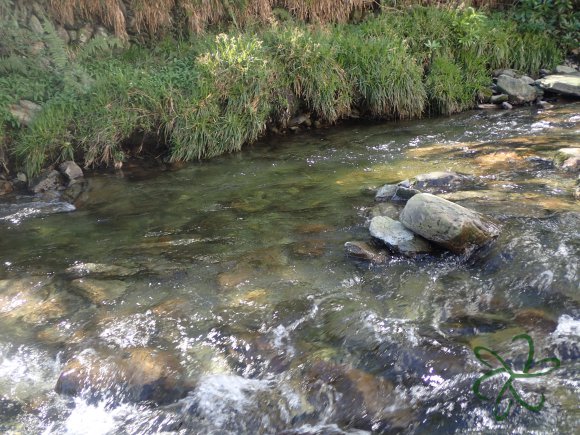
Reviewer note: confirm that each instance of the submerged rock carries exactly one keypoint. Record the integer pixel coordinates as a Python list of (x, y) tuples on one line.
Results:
[(364, 251), (313, 228), (99, 291), (440, 180), (309, 248), (239, 275), (541, 162), (398, 238), (501, 204), (447, 224), (80, 270), (138, 374), (534, 318), (385, 209), (363, 400), (563, 84), (15, 213), (33, 301), (9, 409)]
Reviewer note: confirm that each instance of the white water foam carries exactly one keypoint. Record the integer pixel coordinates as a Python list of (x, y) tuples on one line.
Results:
[(567, 326)]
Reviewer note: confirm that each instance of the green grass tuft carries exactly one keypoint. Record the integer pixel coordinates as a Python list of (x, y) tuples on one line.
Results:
[(387, 80), (310, 67)]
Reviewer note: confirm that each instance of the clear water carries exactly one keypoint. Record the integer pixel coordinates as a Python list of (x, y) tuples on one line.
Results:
[(235, 271)]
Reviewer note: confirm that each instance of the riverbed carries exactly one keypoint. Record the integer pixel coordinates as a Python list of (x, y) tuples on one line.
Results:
[(217, 297)]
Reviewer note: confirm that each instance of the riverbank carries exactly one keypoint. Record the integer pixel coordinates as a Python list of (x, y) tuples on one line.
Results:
[(101, 102)]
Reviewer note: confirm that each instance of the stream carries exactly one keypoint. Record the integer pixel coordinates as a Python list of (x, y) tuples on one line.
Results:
[(217, 298)]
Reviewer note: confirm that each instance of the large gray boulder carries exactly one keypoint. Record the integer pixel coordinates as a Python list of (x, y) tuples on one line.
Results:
[(564, 84), (398, 238), (70, 170), (518, 90), (447, 224), (563, 69)]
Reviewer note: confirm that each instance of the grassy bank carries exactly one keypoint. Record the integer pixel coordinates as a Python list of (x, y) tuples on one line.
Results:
[(210, 94)]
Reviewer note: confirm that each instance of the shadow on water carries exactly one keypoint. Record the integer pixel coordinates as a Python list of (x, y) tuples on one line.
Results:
[(218, 298)]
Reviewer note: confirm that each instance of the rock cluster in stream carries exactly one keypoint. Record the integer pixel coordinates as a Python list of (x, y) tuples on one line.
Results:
[(427, 224), (52, 179), (512, 88)]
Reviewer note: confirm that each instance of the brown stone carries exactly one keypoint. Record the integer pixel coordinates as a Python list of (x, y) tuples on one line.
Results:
[(137, 374), (100, 291), (364, 251), (5, 187), (309, 248), (535, 318), (235, 277), (313, 228)]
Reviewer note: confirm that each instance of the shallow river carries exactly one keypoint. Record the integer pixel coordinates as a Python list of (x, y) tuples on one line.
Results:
[(217, 298)]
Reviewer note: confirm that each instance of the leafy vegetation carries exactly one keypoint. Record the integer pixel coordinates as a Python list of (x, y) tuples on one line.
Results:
[(386, 78), (560, 19), (201, 97)]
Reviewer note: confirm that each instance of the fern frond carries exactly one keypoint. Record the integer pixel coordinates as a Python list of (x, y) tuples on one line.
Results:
[(56, 46), (97, 45), (14, 64)]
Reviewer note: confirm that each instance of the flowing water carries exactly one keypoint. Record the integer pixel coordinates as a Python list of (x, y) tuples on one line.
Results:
[(217, 298)]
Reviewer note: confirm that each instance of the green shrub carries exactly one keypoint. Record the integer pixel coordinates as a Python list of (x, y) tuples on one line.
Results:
[(559, 19), (309, 63), (453, 86), (42, 69), (237, 85), (48, 138), (387, 80), (506, 46)]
